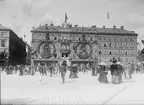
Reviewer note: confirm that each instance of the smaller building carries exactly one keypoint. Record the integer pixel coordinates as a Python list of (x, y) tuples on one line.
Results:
[(12, 48)]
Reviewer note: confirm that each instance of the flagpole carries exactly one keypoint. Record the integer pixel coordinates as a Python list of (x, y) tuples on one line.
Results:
[(108, 19)]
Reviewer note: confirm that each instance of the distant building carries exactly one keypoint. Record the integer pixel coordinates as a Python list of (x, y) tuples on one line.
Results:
[(12, 48), (83, 44), (28, 54)]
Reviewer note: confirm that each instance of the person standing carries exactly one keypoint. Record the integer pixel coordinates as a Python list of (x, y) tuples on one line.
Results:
[(93, 70), (73, 71), (51, 70), (40, 68), (45, 69), (120, 71), (63, 71), (102, 74)]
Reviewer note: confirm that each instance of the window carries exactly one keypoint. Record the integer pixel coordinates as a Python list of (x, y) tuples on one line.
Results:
[(65, 37), (131, 39), (99, 52), (126, 53), (110, 45), (2, 43), (55, 55), (105, 45), (116, 51), (99, 38), (2, 34), (116, 44), (55, 38), (104, 38), (110, 53), (126, 39)]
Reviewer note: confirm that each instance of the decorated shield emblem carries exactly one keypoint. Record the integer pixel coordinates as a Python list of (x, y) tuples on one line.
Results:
[(83, 50), (46, 49)]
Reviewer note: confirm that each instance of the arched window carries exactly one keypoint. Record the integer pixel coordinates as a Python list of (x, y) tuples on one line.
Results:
[(110, 53), (126, 39), (99, 52), (131, 39), (110, 45), (105, 45), (55, 38), (126, 53), (91, 38)]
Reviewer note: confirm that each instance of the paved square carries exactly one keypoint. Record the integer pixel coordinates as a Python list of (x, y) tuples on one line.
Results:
[(84, 90)]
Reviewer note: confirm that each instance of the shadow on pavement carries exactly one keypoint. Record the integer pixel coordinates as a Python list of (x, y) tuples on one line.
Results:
[(70, 81), (21, 101)]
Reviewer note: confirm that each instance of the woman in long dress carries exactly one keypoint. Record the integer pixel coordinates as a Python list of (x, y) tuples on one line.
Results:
[(116, 76), (73, 72), (102, 74)]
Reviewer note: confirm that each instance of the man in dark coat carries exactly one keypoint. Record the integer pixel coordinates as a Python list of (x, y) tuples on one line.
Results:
[(113, 67), (63, 71), (93, 70)]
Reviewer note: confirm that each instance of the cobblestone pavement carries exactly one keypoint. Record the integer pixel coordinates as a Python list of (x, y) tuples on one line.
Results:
[(86, 89)]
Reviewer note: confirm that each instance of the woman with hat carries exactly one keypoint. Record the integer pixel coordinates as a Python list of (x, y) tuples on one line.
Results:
[(102, 74)]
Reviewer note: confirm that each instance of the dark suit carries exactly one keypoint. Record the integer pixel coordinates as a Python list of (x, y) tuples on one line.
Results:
[(63, 71)]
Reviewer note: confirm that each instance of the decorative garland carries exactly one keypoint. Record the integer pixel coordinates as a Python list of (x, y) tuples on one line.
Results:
[(43, 54), (83, 44)]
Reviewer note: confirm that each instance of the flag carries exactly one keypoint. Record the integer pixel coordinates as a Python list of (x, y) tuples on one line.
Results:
[(108, 15), (142, 42), (66, 18)]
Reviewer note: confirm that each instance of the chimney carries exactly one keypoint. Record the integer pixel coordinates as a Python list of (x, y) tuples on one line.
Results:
[(103, 26), (33, 27), (122, 27), (114, 27)]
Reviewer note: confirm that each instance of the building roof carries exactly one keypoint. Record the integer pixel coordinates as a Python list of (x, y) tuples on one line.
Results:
[(4, 28), (95, 29)]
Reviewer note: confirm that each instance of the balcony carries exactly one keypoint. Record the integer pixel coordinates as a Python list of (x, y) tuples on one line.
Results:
[(65, 51)]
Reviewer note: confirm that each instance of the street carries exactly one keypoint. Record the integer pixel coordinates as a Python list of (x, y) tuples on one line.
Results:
[(84, 90)]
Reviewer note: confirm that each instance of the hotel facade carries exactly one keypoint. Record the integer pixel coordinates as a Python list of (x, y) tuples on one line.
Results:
[(83, 44)]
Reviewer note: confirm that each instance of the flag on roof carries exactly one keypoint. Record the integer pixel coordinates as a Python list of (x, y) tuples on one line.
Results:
[(66, 17), (108, 15)]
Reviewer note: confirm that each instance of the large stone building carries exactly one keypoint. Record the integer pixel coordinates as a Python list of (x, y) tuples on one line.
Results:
[(12, 48), (83, 44)]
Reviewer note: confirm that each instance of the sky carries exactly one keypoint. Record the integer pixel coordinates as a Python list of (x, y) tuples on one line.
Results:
[(22, 15)]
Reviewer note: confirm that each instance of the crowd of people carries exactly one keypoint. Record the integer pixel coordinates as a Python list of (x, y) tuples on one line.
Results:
[(117, 70)]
